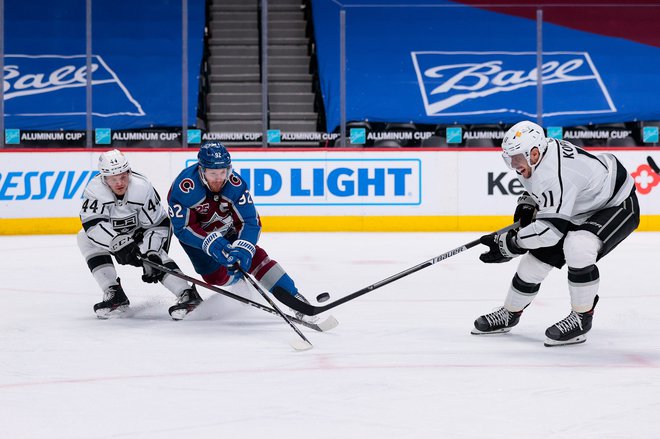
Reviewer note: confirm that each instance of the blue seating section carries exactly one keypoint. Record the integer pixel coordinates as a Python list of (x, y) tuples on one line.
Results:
[(444, 65), (137, 63)]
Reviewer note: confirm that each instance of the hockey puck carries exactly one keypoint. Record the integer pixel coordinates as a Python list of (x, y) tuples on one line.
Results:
[(322, 297)]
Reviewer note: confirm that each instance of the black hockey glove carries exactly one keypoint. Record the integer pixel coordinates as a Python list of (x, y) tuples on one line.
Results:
[(526, 210), (126, 251), (152, 275), (503, 248)]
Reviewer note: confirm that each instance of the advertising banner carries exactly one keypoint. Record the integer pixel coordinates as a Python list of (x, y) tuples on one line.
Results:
[(488, 187), (316, 190)]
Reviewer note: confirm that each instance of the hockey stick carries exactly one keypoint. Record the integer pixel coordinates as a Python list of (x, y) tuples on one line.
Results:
[(301, 344), (323, 326), (653, 165), (311, 310)]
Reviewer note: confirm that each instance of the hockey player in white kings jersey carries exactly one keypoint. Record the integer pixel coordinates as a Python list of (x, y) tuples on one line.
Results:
[(122, 217), (577, 207)]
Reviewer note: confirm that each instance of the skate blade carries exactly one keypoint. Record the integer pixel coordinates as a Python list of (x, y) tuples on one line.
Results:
[(549, 343), (475, 331), (179, 314), (107, 313)]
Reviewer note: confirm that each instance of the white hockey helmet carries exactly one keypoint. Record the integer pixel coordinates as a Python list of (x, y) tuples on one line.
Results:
[(521, 139), (112, 163)]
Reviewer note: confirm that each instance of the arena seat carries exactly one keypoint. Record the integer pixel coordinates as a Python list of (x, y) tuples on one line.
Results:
[(624, 141), (435, 141)]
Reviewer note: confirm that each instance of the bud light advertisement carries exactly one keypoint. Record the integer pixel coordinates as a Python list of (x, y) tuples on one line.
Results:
[(136, 64), (441, 62)]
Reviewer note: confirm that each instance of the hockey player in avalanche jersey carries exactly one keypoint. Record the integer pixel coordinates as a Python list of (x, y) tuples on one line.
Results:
[(576, 209), (122, 217), (215, 219)]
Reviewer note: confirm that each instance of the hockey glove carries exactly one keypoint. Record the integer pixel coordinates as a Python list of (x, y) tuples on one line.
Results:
[(242, 251), (503, 248), (152, 275), (126, 251), (219, 249), (525, 211)]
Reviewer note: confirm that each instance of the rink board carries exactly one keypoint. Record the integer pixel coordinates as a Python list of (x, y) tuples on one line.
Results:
[(307, 190)]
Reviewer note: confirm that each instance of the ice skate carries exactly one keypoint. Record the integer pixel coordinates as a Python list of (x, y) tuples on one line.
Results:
[(497, 322), (571, 330), (301, 316), (114, 303), (188, 301)]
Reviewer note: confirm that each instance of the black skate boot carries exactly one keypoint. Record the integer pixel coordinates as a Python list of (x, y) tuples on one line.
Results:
[(114, 302), (497, 322), (571, 330), (188, 301)]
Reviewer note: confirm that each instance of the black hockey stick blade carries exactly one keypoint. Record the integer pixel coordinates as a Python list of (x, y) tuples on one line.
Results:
[(312, 310), (653, 165), (322, 326)]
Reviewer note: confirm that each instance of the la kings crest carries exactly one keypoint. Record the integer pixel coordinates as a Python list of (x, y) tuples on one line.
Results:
[(126, 224)]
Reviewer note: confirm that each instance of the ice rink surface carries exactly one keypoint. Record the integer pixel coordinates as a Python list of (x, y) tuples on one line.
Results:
[(401, 364)]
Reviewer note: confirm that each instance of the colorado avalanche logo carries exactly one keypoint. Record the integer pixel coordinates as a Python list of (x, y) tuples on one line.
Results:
[(234, 180), (186, 185)]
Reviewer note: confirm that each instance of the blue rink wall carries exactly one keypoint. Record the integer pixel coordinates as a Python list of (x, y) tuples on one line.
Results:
[(307, 190)]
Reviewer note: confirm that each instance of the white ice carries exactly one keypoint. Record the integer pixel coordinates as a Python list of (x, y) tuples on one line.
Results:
[(401, 364)]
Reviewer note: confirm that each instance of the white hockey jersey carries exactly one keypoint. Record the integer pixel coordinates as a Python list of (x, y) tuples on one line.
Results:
[(569, 185), (139, 211)]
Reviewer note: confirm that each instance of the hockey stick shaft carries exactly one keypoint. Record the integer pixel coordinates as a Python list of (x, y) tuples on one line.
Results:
[(312, 310), (224, 292), (271, 303), (653, 165)]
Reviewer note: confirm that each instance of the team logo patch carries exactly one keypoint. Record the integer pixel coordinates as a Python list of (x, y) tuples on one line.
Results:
[(125, 225), (186, 185), (234, 180), (218, 223)]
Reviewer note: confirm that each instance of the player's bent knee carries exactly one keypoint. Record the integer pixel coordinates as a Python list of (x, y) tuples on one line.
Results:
[(584, 275), (531, 270), (581, 248), (218, 277), (83, 240)]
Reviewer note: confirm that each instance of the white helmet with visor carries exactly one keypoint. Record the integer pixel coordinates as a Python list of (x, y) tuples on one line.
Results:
[(520, 140), (113, 162)]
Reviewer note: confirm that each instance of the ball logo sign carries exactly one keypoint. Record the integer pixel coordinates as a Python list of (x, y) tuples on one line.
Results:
[(51, 84), (470, 83)]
